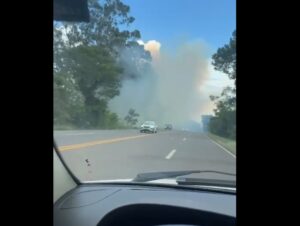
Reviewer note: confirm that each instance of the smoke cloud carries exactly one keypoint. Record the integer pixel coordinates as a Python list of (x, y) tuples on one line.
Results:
[(153, 47), (173, 91)]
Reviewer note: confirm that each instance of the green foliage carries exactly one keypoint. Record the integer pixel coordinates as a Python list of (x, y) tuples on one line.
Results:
[(88, 65), (131, 118), (68, 100), (224, 122), (225, 58), (135, 61), (104, 26)]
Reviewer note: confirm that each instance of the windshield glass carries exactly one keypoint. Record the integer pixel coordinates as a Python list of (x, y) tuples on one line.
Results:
[(149, 123), (167, 64)]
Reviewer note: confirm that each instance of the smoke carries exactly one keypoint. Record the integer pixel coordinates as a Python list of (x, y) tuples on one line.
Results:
[(153, 47), (173, 91)]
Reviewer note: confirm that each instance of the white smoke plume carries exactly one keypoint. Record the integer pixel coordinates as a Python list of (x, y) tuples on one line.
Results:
[(173, 92)]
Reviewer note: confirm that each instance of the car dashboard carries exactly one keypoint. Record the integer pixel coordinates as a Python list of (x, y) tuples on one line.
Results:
[(117, 204)]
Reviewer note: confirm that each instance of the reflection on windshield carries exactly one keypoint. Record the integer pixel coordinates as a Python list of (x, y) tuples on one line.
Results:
[(130, 98)]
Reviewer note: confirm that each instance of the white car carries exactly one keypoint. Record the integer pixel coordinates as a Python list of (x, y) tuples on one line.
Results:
[(148, 126)]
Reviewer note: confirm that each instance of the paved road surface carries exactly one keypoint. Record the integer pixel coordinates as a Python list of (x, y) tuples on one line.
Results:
[(122, 154)]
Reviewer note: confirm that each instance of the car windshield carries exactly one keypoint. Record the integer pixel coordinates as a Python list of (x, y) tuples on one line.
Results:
[(147, 87), (149, 123)]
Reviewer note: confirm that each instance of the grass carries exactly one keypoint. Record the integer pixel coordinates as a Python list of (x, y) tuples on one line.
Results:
[(63, 127), (229, 144)]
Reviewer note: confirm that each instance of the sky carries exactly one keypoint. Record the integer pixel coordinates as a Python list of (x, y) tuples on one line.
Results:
[(181, 35), (170, 21), (166, 25)]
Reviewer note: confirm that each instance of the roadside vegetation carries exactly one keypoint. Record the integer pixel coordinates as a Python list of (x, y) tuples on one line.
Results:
[(229, 144), (89, 66), (223, 123)]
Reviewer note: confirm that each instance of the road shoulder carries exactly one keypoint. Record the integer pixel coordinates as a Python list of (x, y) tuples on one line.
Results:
[(227, 144)]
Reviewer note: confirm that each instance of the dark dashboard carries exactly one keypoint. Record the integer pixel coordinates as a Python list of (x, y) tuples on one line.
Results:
[(106, 205)]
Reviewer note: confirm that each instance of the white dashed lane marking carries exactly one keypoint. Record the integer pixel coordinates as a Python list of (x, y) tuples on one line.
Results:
[(170, 155)]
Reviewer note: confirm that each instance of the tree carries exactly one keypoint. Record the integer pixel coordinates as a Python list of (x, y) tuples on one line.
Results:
[(98, 78), (103, 29), (131, 118), (88, 63), (225, 58), (68, 100), (111, 121), (135, 61), (224, 122)]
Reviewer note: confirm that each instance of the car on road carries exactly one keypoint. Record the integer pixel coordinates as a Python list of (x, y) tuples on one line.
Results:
[(149, 126), (168, 127)]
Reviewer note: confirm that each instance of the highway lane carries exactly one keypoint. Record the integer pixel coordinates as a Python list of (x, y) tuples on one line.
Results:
[(122, 154)]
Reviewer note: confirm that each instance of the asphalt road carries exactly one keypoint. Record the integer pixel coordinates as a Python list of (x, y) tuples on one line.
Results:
[(122, 154)]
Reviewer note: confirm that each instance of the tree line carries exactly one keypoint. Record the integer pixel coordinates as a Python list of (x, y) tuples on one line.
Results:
[(224, 121), (90, 62)]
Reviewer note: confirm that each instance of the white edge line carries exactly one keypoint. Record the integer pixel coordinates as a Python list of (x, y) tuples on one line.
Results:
[(230, 153), (170, 154)]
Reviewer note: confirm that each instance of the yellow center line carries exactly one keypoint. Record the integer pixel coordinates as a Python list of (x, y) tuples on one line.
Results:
[(97, 142)]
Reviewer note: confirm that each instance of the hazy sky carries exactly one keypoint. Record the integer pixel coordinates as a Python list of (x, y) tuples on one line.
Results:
[(172, 22), (181, 35)]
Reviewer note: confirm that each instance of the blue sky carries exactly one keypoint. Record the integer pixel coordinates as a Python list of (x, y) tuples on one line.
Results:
[(169, 21)]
